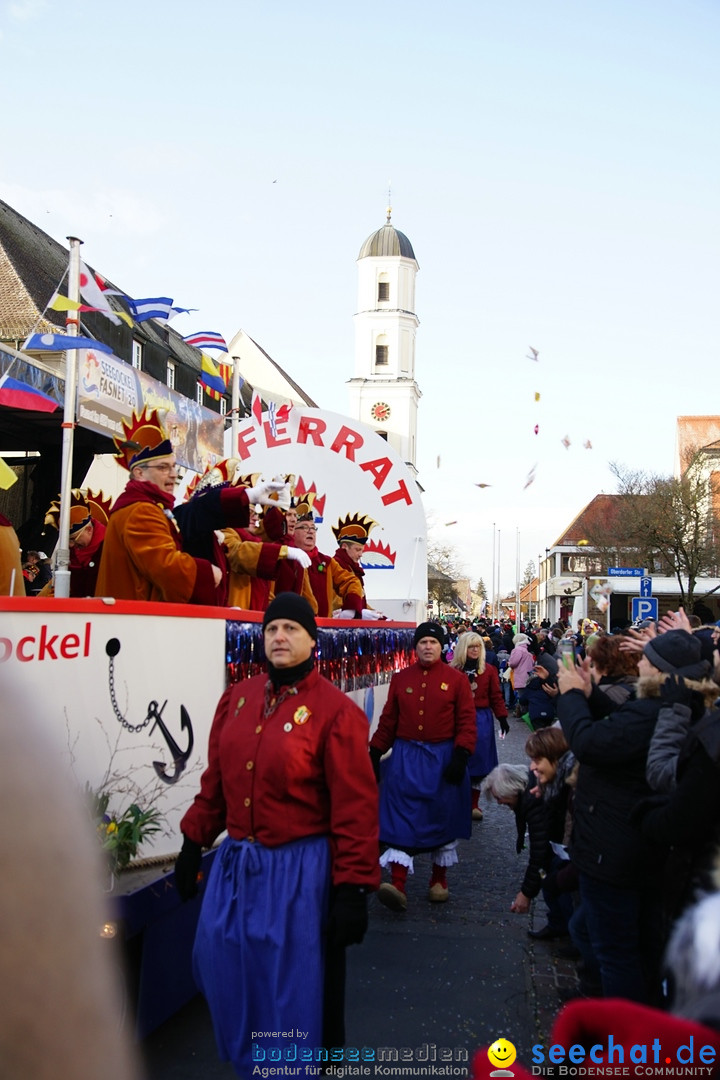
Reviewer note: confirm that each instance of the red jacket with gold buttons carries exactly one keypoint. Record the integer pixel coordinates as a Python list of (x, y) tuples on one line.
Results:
[(428, 704), (303, 770)]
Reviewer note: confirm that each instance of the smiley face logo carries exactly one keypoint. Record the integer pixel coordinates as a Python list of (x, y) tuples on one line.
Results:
[(502, 1054)]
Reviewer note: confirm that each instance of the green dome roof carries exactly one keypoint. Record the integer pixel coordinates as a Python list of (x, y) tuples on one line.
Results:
[(387, 241)]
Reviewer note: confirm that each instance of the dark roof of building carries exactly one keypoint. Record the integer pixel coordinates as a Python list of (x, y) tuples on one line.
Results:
[(598, 509), (32, 268), (387, 241), (434, 574)]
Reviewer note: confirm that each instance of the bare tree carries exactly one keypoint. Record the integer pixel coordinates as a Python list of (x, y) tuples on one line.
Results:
[(444, 569), (665, 524), (529, 574)]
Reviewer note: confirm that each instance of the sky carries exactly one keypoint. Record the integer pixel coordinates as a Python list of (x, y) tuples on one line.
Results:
[(554, 165)]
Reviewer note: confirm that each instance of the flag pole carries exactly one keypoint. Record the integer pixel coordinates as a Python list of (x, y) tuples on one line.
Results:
[(62, 560), (492, 587), (498, 577), (518, 605), (235, 404)]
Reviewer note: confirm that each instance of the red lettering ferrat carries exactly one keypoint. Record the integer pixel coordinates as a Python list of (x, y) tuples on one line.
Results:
[(313, 431)]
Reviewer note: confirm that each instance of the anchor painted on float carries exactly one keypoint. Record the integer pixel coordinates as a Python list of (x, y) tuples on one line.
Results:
[(180, 757)]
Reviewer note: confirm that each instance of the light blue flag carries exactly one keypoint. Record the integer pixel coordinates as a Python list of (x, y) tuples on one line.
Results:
[(152, 307), (61, 342)]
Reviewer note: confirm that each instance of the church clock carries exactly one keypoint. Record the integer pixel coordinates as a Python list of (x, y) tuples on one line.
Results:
[(380, 411)]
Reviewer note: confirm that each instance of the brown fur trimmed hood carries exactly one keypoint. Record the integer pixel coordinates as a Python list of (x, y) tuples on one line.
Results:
[(649, 686)]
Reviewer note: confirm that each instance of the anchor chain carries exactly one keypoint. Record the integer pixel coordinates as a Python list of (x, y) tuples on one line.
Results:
[(134, 728)]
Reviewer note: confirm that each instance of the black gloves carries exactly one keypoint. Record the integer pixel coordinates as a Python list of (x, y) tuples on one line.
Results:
[(504, 726), (375, 756), (348, 916), (644, 807), (457, 766), (675, 691), (187, 866)]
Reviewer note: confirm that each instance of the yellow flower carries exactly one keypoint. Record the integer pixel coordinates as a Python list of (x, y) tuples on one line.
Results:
[(112, 826)]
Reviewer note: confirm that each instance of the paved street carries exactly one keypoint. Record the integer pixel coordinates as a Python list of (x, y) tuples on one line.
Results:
[(457, 975)]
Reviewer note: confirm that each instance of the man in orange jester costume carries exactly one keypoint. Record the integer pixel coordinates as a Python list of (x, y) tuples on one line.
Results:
[(143, 556)]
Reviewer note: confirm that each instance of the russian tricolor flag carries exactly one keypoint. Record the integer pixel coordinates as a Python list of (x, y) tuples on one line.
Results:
[(18, 395)]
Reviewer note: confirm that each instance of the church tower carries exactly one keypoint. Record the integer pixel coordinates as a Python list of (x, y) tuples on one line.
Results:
[(383, 392)]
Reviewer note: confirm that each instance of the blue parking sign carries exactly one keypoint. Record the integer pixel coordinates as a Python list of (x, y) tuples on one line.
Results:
[(644, 607)]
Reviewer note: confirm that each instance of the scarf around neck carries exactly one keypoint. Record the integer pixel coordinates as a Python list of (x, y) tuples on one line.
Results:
[(141, 491)]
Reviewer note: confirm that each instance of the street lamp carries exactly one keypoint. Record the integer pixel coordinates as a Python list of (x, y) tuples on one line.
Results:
[(547, 569)]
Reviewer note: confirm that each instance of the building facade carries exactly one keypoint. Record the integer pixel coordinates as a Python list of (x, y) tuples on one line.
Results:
[(383, 392)]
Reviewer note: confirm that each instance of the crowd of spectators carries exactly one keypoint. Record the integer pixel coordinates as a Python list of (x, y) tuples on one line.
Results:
[(621, 808)]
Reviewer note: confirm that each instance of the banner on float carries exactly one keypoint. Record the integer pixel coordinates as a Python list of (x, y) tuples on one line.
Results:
[(127, 699), (109, 391), (351, 470)]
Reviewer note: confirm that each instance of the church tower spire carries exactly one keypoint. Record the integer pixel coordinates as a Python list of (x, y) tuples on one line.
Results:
[(383, 392)]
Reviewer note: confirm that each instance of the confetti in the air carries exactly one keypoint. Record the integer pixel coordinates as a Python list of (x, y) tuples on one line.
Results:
[(530, 477), (438, 461), (537, 396), (536, 429), (483, 485), (587, 444), (535, 353), (450, 523), (565, 442)]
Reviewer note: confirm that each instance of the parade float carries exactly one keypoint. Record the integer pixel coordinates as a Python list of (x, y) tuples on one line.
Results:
[(128, 690)]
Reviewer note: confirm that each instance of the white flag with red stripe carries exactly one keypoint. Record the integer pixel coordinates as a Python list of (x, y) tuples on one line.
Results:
[(94, 295)]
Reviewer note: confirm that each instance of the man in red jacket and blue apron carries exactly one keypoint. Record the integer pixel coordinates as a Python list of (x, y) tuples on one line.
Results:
[(429, 721)]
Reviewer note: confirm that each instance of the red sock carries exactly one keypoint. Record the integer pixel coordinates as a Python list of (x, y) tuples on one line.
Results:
[(438, 876), (475, 798), (399, 875)]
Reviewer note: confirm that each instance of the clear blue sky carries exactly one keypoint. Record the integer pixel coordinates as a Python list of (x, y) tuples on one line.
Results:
[(554, 164)]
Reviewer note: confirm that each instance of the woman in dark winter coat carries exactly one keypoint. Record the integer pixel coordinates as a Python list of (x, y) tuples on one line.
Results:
[(490, 654), (685, 824), (614, 672), (619, 872), (540, 693), (489, 705), (515, 786)]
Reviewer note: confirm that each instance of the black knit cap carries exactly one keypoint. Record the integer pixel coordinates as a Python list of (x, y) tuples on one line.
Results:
[(288, 605), (429, 629), (678, 653)]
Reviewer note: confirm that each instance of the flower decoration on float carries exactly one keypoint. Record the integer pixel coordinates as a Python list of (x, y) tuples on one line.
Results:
[(121, 832)]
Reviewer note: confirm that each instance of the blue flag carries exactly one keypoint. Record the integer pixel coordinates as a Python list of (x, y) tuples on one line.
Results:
[(152, 307), (60, 342)]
